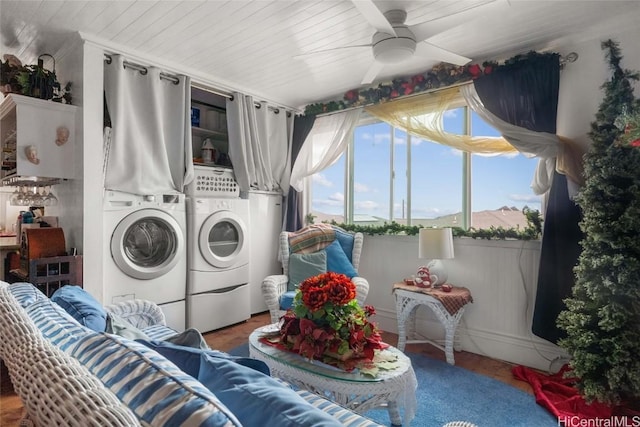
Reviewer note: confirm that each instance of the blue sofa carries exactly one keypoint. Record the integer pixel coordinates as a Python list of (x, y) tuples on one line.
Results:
[(70, 374)]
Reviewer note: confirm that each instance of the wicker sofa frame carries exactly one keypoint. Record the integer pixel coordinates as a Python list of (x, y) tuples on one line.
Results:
[(57, 390)]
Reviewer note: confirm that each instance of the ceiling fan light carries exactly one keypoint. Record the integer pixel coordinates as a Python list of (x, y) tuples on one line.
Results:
[(394, 50)]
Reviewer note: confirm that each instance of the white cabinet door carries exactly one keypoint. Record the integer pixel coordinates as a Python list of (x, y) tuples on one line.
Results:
[(45, 136), (265, 226)]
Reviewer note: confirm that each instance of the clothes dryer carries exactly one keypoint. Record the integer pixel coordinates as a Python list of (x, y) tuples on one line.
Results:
[(218, 262), (145, 251)]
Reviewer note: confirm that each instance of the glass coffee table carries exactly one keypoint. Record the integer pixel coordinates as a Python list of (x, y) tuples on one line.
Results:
[(391, 388)]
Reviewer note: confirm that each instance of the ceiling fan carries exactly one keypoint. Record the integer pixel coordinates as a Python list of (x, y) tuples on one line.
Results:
[(395, 42)]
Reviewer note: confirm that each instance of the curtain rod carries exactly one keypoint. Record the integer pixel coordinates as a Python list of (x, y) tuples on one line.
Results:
[(230, 96), (568, 58), (143, 70)]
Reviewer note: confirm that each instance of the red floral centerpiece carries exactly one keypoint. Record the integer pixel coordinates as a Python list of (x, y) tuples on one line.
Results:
[(326, 323)]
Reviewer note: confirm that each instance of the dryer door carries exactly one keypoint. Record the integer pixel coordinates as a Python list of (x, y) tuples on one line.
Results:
[(223, 240), (147, 244)]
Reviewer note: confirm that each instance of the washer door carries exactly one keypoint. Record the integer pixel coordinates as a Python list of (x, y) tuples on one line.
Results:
[(147, 244), (222, 240)]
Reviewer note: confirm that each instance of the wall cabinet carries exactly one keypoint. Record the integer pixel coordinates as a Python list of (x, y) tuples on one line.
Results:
[(37, 137)]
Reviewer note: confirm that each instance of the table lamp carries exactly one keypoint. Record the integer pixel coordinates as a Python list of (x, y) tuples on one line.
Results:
[(436, 244)]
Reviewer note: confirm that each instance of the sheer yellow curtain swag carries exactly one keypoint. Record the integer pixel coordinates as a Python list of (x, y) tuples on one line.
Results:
[(422, 116)]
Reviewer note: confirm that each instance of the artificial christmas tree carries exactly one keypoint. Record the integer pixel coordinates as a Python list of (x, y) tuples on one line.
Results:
[(602, 319)]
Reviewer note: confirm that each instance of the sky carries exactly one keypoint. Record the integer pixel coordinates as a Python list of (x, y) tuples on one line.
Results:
[(436, 176)]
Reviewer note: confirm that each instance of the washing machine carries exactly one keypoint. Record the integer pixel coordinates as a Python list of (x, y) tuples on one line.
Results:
[(145, 251), (217, 250), (218, 262)]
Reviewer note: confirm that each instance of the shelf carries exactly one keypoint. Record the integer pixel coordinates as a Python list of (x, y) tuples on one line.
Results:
[(27, 181)]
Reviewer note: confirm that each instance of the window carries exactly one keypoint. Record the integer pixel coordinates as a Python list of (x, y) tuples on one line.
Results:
[(393, 176), (501, 186), (328, 193), (371, 172)]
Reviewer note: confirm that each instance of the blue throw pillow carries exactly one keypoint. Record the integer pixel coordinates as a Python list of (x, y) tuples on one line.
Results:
[(303, 266), (338, 262), (286, 300), (346, 241), (188, 358), (259, 400), (81, 306)]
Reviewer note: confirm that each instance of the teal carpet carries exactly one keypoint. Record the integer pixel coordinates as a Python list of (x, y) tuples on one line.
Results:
[(447, 393)]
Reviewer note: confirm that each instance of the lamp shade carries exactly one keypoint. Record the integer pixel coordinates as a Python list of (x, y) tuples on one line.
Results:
[(435, 243)]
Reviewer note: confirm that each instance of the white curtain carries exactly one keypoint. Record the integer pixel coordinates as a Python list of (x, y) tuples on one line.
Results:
[(150, 150), (323, 146), (546, 146), (260, 148)]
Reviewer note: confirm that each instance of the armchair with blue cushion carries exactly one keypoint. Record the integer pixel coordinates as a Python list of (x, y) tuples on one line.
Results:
[(310, 251)]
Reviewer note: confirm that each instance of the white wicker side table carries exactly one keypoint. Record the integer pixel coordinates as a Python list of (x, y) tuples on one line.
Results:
[(447, 308), (360, 393)]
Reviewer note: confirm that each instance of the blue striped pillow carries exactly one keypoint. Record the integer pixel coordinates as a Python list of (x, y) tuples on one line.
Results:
[(159, 332), (155, 390), (25, 293), (56, 324)]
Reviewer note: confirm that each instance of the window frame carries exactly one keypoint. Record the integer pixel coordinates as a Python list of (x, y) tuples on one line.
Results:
[(349, 181)]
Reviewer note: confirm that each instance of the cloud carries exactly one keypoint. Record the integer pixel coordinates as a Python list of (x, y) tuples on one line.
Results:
[(360, 188), (321, 179), (528, 198), (417, 213), (337, 197), (366, 205), (380, 138), (401, 139), (450, 114)]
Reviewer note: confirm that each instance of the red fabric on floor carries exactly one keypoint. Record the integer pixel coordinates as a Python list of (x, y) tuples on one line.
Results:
[(559, 396)]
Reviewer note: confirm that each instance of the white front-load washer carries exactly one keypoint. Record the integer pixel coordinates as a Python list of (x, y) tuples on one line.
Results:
[(145, 251), (218, 262)]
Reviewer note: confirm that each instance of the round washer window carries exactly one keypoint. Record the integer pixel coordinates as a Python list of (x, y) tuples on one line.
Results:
[(224, 239), (149, 242)]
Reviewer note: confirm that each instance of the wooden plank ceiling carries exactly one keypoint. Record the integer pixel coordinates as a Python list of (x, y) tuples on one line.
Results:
[(252, 46)]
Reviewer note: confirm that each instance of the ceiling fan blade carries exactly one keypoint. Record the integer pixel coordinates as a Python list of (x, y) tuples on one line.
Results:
[(313, 52), (372, 72), (376, 18), (430, 51), (428, 29)]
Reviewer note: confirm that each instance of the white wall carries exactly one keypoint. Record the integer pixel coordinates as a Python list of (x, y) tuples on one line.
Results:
[(580, 93), (70, 192), (92, 89), (501, 276)]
